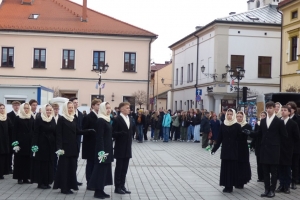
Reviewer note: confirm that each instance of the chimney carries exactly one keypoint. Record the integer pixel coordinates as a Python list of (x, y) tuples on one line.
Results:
[(84, 11), (167, 62), (27, 2), (232, 13), (198, 27)]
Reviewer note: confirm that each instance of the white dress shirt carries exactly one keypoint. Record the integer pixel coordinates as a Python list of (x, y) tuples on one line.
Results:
[(33, 114), (76, 113), (126, 119), (291, 117), (16, 113), (56, 118), (286, 120), (270, 119)]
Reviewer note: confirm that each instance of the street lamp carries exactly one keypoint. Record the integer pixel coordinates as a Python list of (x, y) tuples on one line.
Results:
[(99, 70), (163, 81), (240, 74), (214, 75)]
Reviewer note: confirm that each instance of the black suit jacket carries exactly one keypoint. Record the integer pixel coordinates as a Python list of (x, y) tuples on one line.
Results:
[(11, 115), (271, 140), (78, 119), (287, 144), (103, 140), (123, 137), (5, 130), (44, 138), (23, 132), (296, 143), (66, 137), (89, 141), (256, 142)]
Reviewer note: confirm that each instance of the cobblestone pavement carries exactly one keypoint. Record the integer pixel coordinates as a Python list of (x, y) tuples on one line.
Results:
[(158, 170)]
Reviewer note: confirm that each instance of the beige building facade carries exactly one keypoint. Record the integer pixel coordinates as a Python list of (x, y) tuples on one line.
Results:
[(63, 60), (290, 78)]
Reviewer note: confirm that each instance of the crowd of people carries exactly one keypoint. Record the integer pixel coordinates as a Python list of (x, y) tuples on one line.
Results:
[(43, 147)]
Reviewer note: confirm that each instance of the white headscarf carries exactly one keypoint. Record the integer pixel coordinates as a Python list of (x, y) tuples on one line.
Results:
[(102, 113), (22, 114), (230, 122), (65, 112), (44, 113), (3, 117), (278, 114), (244, 122)]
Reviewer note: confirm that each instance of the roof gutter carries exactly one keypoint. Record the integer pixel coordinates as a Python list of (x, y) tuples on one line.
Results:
[(149, 74), (280, 75)]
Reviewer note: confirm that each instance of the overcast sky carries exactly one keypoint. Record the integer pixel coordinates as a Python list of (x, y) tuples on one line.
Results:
[(171, 20)]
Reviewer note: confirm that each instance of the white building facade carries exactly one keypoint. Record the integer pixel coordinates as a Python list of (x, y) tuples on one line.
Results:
[(247, 40)]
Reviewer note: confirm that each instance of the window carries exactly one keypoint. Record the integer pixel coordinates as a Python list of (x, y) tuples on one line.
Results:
[(176, 80), (129, 62), (175, 105), (295, 14), (180, 105), (97, 96), (99, 58), (68, 59), (191, 103), (237, 60), (39, 59), (294, 41), (7, 58), (264, 67), (181, 78), (33, 16), (191, 72), (188, 74), (188, 104)]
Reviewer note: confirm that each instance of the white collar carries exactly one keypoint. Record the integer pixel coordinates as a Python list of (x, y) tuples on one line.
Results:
[(272, 117), (291, 117), (124, 116), (285, 120)]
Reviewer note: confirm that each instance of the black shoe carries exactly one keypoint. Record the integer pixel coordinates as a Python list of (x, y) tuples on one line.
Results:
[(294, 187), (1, 177), (26, 181), (42, 187), (10, 172), (227, 190), (260, 180), (79, 184), (67, 192), (271, 194), (265, 194), (287, 190), (90, 189), (279, 189), (20, 181), (105, 195), (119, 191), (99, 196), (125, 190)]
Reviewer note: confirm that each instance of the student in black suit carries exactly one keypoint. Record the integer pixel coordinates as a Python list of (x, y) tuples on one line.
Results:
[(12, 115), (66, 143), (22, 137), (123, 129), (256, 144), (286, 150), (102, 174), (78, 118), (272, 131), (56, 116), (89, 141), (5, 130), (33, 104), (296, 153), (43, 138)]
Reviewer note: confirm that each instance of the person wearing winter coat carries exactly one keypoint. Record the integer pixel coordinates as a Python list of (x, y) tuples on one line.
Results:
[(166, 124)]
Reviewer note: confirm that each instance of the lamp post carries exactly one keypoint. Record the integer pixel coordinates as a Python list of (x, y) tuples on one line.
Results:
[(163, 82), (99, 70), (240, 74), (214, 75)]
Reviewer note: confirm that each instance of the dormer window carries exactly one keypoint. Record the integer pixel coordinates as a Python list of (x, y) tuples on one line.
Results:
[(252, 17), (295, 14), (33, 16)]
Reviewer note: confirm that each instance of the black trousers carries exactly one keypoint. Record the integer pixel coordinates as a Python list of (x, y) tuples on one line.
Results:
[(260, 172), (295, 168), (270, 182), (175, 130), (121, 171), (145, 132), (10, 161), (89, 169), (54, 165)]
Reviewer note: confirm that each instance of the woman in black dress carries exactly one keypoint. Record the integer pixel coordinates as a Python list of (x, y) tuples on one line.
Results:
[(228, 137), (43, 138), (102, 173), (66, 143), (243, 152), (5, 131), (22, 137)]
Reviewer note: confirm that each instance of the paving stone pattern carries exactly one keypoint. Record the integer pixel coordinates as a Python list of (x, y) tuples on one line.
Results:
[(158, 170)]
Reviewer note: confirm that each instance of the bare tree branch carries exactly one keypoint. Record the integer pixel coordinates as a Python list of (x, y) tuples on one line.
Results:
[(140, 97)]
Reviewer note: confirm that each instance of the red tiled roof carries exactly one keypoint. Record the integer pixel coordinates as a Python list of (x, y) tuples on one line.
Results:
[(283, 3), (158, 66), (62, 16)]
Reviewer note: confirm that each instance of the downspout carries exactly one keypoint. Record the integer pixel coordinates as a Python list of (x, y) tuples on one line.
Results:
[(149, 73), (197, 66), (280, 82)]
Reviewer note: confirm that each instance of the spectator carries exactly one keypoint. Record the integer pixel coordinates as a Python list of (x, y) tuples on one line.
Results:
[(197, 124), (147, 124), (166, 126), (156, 125), (176, 126), (205, 129), (223, 115), (190, 129), (215, 128), (183, 127), (140, 122)]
